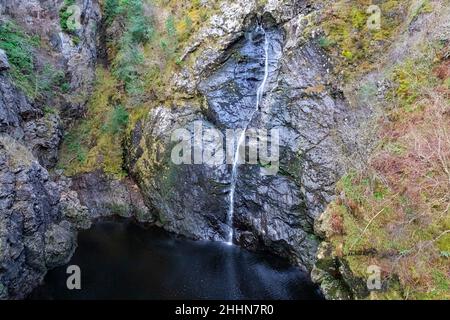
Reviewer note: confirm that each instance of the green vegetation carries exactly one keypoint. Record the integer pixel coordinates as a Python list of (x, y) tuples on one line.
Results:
[(163, 53), (117, 121), (50, 110), (149, 50), (325, 43), (128, 62), (422, 6), (142, 59), (348, 38), (19, 49), (50, 80), (111, 10), (412, 78), (96, 141), (36, 83)]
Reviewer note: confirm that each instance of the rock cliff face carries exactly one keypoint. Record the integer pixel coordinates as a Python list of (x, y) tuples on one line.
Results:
[(105, 197), (32, 203), (39, 212), (254, 64), (35, 233), (219, 86), (40, 209), (39, 216), (26, 122)]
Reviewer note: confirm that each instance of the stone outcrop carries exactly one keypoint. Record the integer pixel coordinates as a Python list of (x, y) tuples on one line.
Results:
[(35, 233), (37, 230), (105, 196)]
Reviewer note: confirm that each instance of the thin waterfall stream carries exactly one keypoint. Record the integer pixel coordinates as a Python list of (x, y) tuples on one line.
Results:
[(241, 140)]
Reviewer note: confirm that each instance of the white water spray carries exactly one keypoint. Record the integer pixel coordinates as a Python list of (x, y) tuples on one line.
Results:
[(234, 171)]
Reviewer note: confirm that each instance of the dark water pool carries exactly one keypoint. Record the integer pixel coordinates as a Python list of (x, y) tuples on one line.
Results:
[(122, 260)]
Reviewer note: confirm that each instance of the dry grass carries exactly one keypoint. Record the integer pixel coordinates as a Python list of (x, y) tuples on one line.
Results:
[(91, 143), (395, 213), (18, 154)]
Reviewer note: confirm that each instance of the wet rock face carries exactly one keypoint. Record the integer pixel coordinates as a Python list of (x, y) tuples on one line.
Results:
[(274, 212), (4, 63), (192, 199), (231, 89), (189, 199)]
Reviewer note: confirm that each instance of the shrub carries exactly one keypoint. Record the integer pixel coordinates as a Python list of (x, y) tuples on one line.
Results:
[(95, 142), (19, 49), (118, 120), (50, 110), (127, 65), (34, 82), (324, 42), (111, 10), (75, 147), (48, 80), (170, 26)]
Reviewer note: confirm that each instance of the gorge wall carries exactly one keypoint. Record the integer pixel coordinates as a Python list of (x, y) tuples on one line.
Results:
[(44, 87), (87, 117)]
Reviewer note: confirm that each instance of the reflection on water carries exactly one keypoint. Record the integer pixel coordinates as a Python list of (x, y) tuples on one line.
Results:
[(122, 260)]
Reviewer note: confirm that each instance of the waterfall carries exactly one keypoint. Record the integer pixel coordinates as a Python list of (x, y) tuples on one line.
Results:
[(234, 171)]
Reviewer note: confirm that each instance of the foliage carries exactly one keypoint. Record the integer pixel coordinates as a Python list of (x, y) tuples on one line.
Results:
[(111, 10), (324, 42), (96, 141), (128, 63), (35, 82), (118, 120), (395, 213), (19, 47), (411, 77), (142, 59), (350, 41)]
